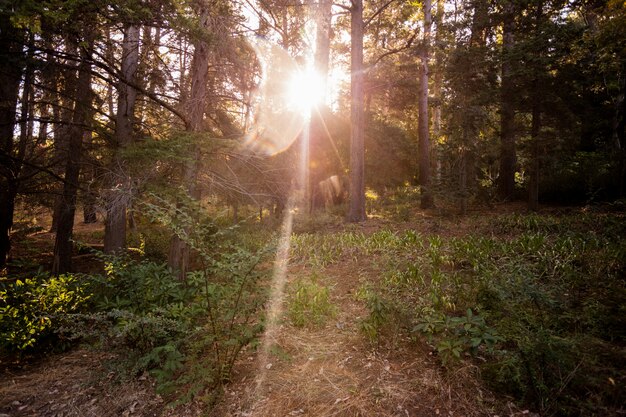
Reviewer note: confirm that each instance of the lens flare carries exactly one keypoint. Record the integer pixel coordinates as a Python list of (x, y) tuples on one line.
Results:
[(305, 91), (283, 101)]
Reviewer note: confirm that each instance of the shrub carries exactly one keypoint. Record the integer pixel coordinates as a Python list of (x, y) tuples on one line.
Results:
[(541, 303), (32, 309)]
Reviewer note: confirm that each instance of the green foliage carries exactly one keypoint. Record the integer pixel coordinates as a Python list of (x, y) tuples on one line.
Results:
[(321, 250), (310, 304), (378, 318), (457, 335), (540, 305), (187, 333), (32, 309)]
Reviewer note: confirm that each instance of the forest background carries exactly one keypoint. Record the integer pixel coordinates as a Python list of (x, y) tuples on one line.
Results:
[(178, 124)]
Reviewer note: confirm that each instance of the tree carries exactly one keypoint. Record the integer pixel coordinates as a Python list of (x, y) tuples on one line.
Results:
[(11, 67), (508, 158), (178, 258), (117, 198), (323, 19), (423, 118), (536, 106), (356, 209), (83, 96)]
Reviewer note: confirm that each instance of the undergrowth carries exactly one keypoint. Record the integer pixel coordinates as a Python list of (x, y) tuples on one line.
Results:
[(187, 333), (538, 302), (310, 304)]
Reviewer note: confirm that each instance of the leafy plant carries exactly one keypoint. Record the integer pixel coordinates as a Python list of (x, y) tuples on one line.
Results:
[(310, 304), (378, 318), (543, 300), (31, 309), (455, 335)]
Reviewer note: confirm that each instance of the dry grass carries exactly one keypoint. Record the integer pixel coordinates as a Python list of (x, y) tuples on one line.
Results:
[(329, 370), (333, 371), (75, 385)]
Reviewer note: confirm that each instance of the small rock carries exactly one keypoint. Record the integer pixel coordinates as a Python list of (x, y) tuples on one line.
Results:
[(16, 403), (268, 366)]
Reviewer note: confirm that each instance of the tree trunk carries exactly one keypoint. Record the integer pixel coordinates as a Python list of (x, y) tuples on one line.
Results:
[(61, 134), (533, 189), (62, 261), (508, 158), (357, 128), (118, 196), (10, 75), (323, 19), (427, 200), (621, 139), (178, 258), (463, 173), (535, 130), (88, 195), (436, 164)]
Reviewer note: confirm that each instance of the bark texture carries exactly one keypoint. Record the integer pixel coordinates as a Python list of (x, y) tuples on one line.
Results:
[(178, 258), (356, 211), (508, 158), (427, 200), (118, 196), (62, 260), (10, 75)]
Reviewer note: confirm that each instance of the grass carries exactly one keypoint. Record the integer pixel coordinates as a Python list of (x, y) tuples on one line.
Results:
[(538, 302), (310, 304), (531, 306)]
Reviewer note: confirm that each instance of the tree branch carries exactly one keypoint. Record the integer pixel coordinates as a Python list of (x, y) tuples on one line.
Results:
[(379, 11), (406, 46)]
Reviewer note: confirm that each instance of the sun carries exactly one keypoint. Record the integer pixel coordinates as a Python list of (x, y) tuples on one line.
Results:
[(305, 90)]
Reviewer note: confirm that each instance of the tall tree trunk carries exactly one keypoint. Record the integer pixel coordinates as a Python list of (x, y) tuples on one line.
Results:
[(427, 200), (63, 113), (62, 260), (178, 258), (436, 164), (533, 188), (117, 198), (463, 191), (535, 129), (508, 157), (621, 140), (357, 128), (469, 124), (323, 19), (11, 67), (89, 175)]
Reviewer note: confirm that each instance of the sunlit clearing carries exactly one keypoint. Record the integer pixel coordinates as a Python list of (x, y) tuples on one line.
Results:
[(305, 91), (276, 118)]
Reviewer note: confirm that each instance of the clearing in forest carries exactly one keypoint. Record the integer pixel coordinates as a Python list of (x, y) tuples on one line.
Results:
[(391, 318)]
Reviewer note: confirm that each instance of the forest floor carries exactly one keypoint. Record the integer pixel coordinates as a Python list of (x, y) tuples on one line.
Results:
[(330, 369)]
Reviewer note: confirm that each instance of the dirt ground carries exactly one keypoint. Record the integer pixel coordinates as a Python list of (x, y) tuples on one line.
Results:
[(330, 370)]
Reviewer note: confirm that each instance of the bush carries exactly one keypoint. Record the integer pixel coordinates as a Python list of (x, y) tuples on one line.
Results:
[(540, 305), (33, 309), (187, 333)]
